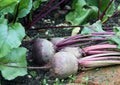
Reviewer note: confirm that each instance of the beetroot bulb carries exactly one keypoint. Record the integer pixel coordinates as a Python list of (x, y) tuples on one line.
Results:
[(56, 40), (74, 50), (64, 64), (43, 50)]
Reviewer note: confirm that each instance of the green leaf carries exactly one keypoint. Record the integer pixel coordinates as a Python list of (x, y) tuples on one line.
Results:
[(96, 27), (103, 6), (118, 8), (86, 10), (16, 58), (37, 3), (11, 37), (116, 30), (110, 10), (116, 38), (81, 13), (92, 2), (8, 9), (6, 3), (24, 8)]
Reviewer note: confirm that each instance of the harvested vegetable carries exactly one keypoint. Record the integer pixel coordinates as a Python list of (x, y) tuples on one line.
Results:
[(74, 53), (99, 60), (84, 40), (64, 64), (97, 49), (43, 51), (56, 40), (74, 50)]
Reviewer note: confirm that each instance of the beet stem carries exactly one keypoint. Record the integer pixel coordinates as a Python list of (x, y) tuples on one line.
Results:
[(98, 52), (13, 66), (80, 40), (107, 7), (43, 15), (103, 33), (70, 39), (95, 47), (103, 58), (99, 63), (98, 55), (74, 45)]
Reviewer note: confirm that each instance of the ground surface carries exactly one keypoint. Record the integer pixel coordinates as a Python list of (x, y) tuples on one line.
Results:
[(100, 76)]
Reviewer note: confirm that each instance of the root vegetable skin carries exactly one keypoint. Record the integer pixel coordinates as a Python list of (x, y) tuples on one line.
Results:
[(43, 51), (64, 64), (56, 40), (74, 50)]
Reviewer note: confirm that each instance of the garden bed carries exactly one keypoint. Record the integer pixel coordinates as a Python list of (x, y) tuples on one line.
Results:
[(98, 76)]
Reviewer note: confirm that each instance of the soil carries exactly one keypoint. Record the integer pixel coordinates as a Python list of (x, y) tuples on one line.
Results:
[(40, 77), (100, 76)]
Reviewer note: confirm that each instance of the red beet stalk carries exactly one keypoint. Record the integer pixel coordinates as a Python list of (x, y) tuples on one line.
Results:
[(99, 60), (96, 47), (82, 39)]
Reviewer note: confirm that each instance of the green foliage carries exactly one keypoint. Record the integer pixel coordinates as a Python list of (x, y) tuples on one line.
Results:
[(37, 3), (24, 8), (85, 10), (44, 82), (116, 38), (6, 3), (33, 73), (86, 78), (95, 27), (81, 12), (13, 57), (11, 36), (118, 8), (110, 10), (17, 57), (8, 9)]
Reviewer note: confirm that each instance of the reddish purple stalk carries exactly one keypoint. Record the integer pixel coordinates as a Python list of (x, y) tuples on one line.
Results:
[(44, 9), (100, 3), (89, 35), (43, 15), (95, 47), (99, 63), (104, 58), (104, 12), (81, 38), (75, 45), (103, 33), (99, 55), (99, 60), (98, 52)]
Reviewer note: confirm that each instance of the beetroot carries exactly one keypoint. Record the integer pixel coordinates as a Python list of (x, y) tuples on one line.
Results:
[(43, 50), (64, 64), (74, 50), (56, 40)]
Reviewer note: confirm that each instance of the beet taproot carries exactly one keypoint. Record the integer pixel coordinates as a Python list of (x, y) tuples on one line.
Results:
[(43, 50), (64, 64)]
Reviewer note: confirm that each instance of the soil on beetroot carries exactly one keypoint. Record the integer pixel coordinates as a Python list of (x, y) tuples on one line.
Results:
[(39, 77)]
